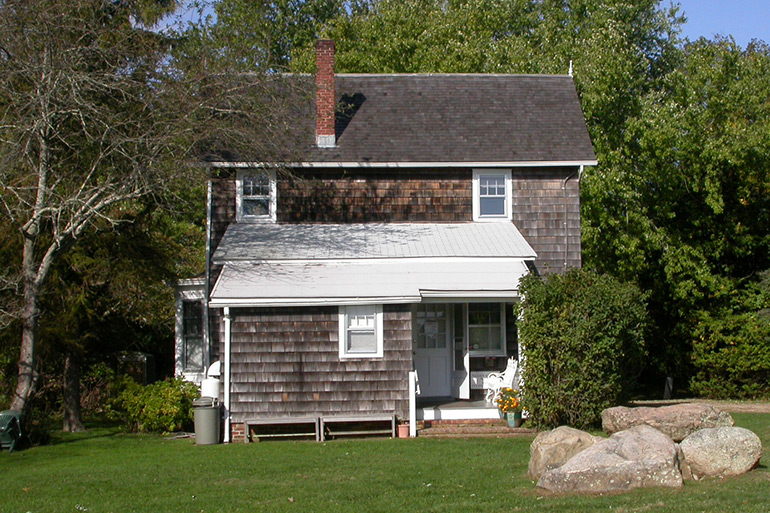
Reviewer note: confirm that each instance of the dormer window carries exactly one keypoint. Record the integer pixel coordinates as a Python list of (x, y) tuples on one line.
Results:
[(492, 195), (256, 196)]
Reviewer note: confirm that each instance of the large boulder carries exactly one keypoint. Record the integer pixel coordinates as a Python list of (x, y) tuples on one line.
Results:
[(716, 452), (641, 457), (552, 449), (677, 421)]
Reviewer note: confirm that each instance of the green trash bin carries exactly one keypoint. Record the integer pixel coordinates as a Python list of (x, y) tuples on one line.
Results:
[(206, 413), (10, 429)]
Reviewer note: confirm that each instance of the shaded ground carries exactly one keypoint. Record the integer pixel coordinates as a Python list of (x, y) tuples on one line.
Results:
[(728, 406)]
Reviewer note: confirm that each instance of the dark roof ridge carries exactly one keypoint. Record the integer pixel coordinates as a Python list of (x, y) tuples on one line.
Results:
[(522, 75)]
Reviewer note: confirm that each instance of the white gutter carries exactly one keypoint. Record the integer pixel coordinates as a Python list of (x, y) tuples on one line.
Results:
[(306, 301), (228, 334), (388, 165)]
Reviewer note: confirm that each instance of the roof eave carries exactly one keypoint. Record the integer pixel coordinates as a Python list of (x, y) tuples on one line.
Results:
[(388, 165)]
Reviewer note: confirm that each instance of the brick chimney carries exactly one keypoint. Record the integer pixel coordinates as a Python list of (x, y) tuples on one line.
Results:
[(325, 94)]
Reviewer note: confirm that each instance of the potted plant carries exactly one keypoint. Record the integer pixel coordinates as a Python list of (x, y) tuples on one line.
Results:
[(509, 403)]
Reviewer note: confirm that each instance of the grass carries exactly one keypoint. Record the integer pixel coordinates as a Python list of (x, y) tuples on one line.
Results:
[(103, 471)]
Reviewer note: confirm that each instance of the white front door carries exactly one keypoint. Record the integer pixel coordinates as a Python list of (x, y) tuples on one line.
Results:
[(432, 351)]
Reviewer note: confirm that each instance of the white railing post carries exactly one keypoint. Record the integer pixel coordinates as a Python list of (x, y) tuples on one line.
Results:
[(412, 404)]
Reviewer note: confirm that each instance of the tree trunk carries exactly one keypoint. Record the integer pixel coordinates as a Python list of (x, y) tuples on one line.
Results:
[(25, 384), (73, 421)]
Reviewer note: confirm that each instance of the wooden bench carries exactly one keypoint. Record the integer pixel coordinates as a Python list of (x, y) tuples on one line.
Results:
[(305, 426), (356, 425)]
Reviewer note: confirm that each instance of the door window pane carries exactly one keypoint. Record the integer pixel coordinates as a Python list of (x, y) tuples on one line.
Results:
[(430, 327)]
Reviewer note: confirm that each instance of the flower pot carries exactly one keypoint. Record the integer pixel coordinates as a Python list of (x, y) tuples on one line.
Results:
[(403, 430), (514, 419)]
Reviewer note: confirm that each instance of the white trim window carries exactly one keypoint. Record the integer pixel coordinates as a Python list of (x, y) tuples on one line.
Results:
[(492, 195), (256, 196), (192, 336), (361, 331)]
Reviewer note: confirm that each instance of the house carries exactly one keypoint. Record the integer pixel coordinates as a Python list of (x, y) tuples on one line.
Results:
[(395, 243)]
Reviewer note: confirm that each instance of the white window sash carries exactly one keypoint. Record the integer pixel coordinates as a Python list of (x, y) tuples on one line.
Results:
[(375, 327), (507, 215), (240, 196)]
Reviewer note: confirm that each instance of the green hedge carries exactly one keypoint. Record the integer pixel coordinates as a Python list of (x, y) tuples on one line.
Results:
[(160, 407), (583, 340)]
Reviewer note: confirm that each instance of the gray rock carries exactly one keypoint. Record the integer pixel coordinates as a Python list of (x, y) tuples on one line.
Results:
[(716, 452), (641, 457), (552, 449), (677, 421)]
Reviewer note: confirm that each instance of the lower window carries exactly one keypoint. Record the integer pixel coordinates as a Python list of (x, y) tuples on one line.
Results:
[(361, 331), (486, 329), (192, 336)]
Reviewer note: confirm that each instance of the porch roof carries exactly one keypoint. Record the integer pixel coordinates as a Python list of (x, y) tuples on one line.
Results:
[(258, 242), (309, 283)]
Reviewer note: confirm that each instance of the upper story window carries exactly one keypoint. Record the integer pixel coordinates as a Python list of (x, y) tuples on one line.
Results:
[(492, 195), (361, 331), (255, 195)]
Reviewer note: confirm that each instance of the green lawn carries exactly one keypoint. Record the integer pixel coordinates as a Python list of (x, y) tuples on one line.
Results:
[(102, 471)]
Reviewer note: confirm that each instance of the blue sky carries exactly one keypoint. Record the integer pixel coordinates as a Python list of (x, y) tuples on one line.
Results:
[(743, 19)]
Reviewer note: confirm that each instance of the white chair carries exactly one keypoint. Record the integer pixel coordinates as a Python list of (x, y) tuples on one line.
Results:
[(497, 380)]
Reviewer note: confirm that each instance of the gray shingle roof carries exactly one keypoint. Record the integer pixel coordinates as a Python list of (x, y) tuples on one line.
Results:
[(251, 242), (458, 118), (438, 118)]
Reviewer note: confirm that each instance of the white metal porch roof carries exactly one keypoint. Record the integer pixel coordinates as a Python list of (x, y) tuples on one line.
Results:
[(258, 242), (381, 281)]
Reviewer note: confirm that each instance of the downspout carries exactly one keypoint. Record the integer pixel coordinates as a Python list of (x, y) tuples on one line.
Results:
[(566, 211), (207, 284), (228, 328)]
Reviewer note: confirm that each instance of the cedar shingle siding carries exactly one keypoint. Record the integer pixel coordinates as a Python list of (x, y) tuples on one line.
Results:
[(546, 210), (359, 197), (285, 362)]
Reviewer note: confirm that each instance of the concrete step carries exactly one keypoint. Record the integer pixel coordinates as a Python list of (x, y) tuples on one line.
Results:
[(443, 429)]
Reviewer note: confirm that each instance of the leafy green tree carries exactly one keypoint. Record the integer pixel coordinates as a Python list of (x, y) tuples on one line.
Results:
[(682, 209)]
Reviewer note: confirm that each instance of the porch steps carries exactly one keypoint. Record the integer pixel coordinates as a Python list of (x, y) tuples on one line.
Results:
[(471, 429)]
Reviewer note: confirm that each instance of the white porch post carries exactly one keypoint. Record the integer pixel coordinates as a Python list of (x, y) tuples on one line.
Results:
[(228, 324), (412, 404)]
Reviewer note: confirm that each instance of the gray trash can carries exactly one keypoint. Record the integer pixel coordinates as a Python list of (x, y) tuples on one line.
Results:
[(206, 413)]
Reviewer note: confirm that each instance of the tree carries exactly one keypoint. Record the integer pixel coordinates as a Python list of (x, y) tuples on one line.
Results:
[(682, 210), (97, 116)]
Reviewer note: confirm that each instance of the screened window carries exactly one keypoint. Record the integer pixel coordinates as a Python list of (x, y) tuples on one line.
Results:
[(360, 331), (192, 335), (486, 329), (256, 195)]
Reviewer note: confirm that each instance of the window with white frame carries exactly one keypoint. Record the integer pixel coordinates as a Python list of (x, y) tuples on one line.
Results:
[(492, 195), (361, 331), (256, 195), (486, 329), (192, 336)]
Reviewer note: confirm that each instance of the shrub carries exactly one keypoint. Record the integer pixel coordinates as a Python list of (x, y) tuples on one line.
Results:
[(731, 347), (732, 357), (160, 407), (583, 339)]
